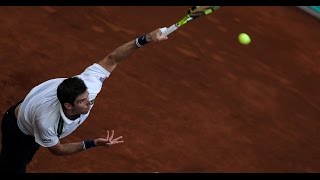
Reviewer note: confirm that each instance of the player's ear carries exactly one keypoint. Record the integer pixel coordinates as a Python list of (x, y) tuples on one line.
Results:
[(67, 105)]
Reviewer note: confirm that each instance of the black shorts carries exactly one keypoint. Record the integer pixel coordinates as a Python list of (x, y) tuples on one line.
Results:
[(18, 148)]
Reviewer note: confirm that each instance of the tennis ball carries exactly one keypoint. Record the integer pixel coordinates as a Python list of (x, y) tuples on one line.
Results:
[(244, 38)]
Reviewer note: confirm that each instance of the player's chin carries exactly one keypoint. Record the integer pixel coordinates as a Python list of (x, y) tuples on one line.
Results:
[(85, 111)]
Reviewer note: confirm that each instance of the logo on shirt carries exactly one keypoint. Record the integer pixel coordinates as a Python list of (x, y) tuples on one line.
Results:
[(46, 140), (92, 101), (102, 79)]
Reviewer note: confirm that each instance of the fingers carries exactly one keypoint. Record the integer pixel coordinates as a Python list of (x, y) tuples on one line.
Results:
[(110, 140), (116, 139), (114, 142), (111, 137), (117, 142), (107, 135), (156, 36), (160, 36)]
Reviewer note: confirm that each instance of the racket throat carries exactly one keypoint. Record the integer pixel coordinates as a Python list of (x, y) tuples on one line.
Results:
[(183, 21)]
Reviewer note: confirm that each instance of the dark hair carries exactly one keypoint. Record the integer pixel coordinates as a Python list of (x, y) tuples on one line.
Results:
[(70, 89)]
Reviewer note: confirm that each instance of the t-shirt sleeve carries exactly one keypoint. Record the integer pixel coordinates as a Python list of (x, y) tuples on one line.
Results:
[(93, 76), (44, 137)]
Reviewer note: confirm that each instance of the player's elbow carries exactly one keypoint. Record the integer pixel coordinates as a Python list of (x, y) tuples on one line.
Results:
[(109, 62), (57, 150), (57, 153)]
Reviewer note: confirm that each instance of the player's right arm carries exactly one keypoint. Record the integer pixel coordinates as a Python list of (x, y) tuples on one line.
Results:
[(124, 51)]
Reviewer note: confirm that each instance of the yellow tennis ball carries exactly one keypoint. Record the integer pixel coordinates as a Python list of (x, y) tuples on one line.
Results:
[(244, 38)]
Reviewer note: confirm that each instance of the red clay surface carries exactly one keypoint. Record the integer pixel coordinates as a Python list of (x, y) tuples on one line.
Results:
[(198, 102)]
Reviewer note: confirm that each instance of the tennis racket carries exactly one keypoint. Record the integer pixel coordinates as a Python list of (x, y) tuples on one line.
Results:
[(193, 13)]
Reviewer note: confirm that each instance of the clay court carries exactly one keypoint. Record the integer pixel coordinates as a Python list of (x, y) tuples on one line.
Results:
[(198, 102)]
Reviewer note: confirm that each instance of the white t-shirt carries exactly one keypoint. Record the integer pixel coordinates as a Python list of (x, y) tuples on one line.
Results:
[(40, 111)]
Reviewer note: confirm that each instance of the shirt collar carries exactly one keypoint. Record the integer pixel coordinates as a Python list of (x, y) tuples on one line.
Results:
[(64, 117)]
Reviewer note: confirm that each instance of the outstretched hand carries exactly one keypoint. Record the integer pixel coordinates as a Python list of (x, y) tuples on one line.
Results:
[(156, 36), (109, 140)]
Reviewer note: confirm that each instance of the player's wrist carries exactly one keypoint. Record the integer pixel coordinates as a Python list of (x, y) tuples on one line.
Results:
[(142, 40), (88, 144)]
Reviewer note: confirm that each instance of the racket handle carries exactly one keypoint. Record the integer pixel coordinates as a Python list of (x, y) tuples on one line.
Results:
[(166, 31)]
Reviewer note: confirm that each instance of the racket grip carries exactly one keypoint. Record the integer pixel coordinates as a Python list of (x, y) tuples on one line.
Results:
[(166, 31)]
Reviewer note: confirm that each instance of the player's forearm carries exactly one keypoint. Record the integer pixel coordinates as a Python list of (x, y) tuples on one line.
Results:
[(118, 55), (123, 52), (67, 149)]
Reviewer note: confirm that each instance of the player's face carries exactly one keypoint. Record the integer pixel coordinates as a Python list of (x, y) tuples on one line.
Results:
[(82, 104)]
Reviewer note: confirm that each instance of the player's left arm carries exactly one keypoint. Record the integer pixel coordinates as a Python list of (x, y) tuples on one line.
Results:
[(124, 51), (71, 148)]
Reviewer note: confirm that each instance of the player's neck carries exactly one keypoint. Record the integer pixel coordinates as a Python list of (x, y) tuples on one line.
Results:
[(70, 115), (74, 117)]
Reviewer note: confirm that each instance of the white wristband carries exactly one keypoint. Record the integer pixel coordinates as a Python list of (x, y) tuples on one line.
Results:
[(137, 43), (83, 146)]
